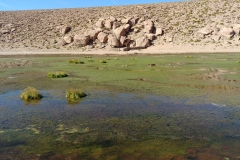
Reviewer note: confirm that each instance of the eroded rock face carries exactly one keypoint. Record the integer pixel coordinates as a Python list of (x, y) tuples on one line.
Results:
[(227, 32), (102, 37), (142, 42), (81, 40)]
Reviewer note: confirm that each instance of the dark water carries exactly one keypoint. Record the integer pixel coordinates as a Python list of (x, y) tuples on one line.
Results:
[(108, 125)]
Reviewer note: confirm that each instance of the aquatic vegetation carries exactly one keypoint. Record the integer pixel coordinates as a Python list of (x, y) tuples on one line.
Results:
[(73, 93), (102, 61), (108, 59), (88, 57), (116, 58), (75, 61), (133, 58), (30, 93), (57, 74), (90, 60), (238, 62), (189, 56)]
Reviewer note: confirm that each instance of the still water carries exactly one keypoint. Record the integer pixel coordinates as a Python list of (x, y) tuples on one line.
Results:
[(110, 125)]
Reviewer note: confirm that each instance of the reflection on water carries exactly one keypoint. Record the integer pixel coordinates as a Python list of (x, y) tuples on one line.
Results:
[(107, 125)]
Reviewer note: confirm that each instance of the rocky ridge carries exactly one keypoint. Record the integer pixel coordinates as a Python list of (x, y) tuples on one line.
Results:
[(196, 23)]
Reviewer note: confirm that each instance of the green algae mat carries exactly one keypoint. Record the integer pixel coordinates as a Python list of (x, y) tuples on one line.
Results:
[(137, 107)]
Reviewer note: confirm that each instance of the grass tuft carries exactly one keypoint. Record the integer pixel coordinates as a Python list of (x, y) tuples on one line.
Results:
[(75, 61), (57, 75), (73, 93), (102, 61), (30, 93)]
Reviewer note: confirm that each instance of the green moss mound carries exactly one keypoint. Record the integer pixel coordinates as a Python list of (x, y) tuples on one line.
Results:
[(30, 93), (73, 94), (57, 74)]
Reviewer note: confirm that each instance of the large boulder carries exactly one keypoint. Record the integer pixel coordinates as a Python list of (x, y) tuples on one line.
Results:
[(236, 28), (113, 41), (115, 25), (108, 24), (133, 21), (102, 37), (159, 32), (122, 40), (148, 26), (120, 31), (150, 36), (99, 23), (205, 31), (81, 40), (62, 42), (65, 29), (126, 20), (94, 34), (227, 32), (127, 27), (68, 39), (142, 42)]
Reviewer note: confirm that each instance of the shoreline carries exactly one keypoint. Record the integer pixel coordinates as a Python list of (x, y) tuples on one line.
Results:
[(154, 50)]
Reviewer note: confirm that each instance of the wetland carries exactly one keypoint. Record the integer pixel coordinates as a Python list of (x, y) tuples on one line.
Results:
[(162, 107)]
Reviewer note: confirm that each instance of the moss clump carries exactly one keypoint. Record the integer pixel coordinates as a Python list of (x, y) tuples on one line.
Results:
[(73, 93), (75, 61), (57, 75), (102, 61), (30, 93), (90, 60)]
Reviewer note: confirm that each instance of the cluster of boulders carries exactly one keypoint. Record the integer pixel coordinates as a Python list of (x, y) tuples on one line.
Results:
[(130, 32), (217, 32)]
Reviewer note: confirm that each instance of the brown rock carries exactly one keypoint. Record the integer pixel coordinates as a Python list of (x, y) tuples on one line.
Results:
[(236, 28), (94, 34), (142, 42), (102, 37), (68, 39), (81, 40), (99, 24), (227, 32), (115, 25), (62, 42), (108, 24), (113, 41), (148, 26), (127, 27), (120, 31), (150, 36), (159, 32), (122, 40), (65, 29)]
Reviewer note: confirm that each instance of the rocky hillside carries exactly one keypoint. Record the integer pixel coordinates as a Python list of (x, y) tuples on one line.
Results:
[(200, 23)]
